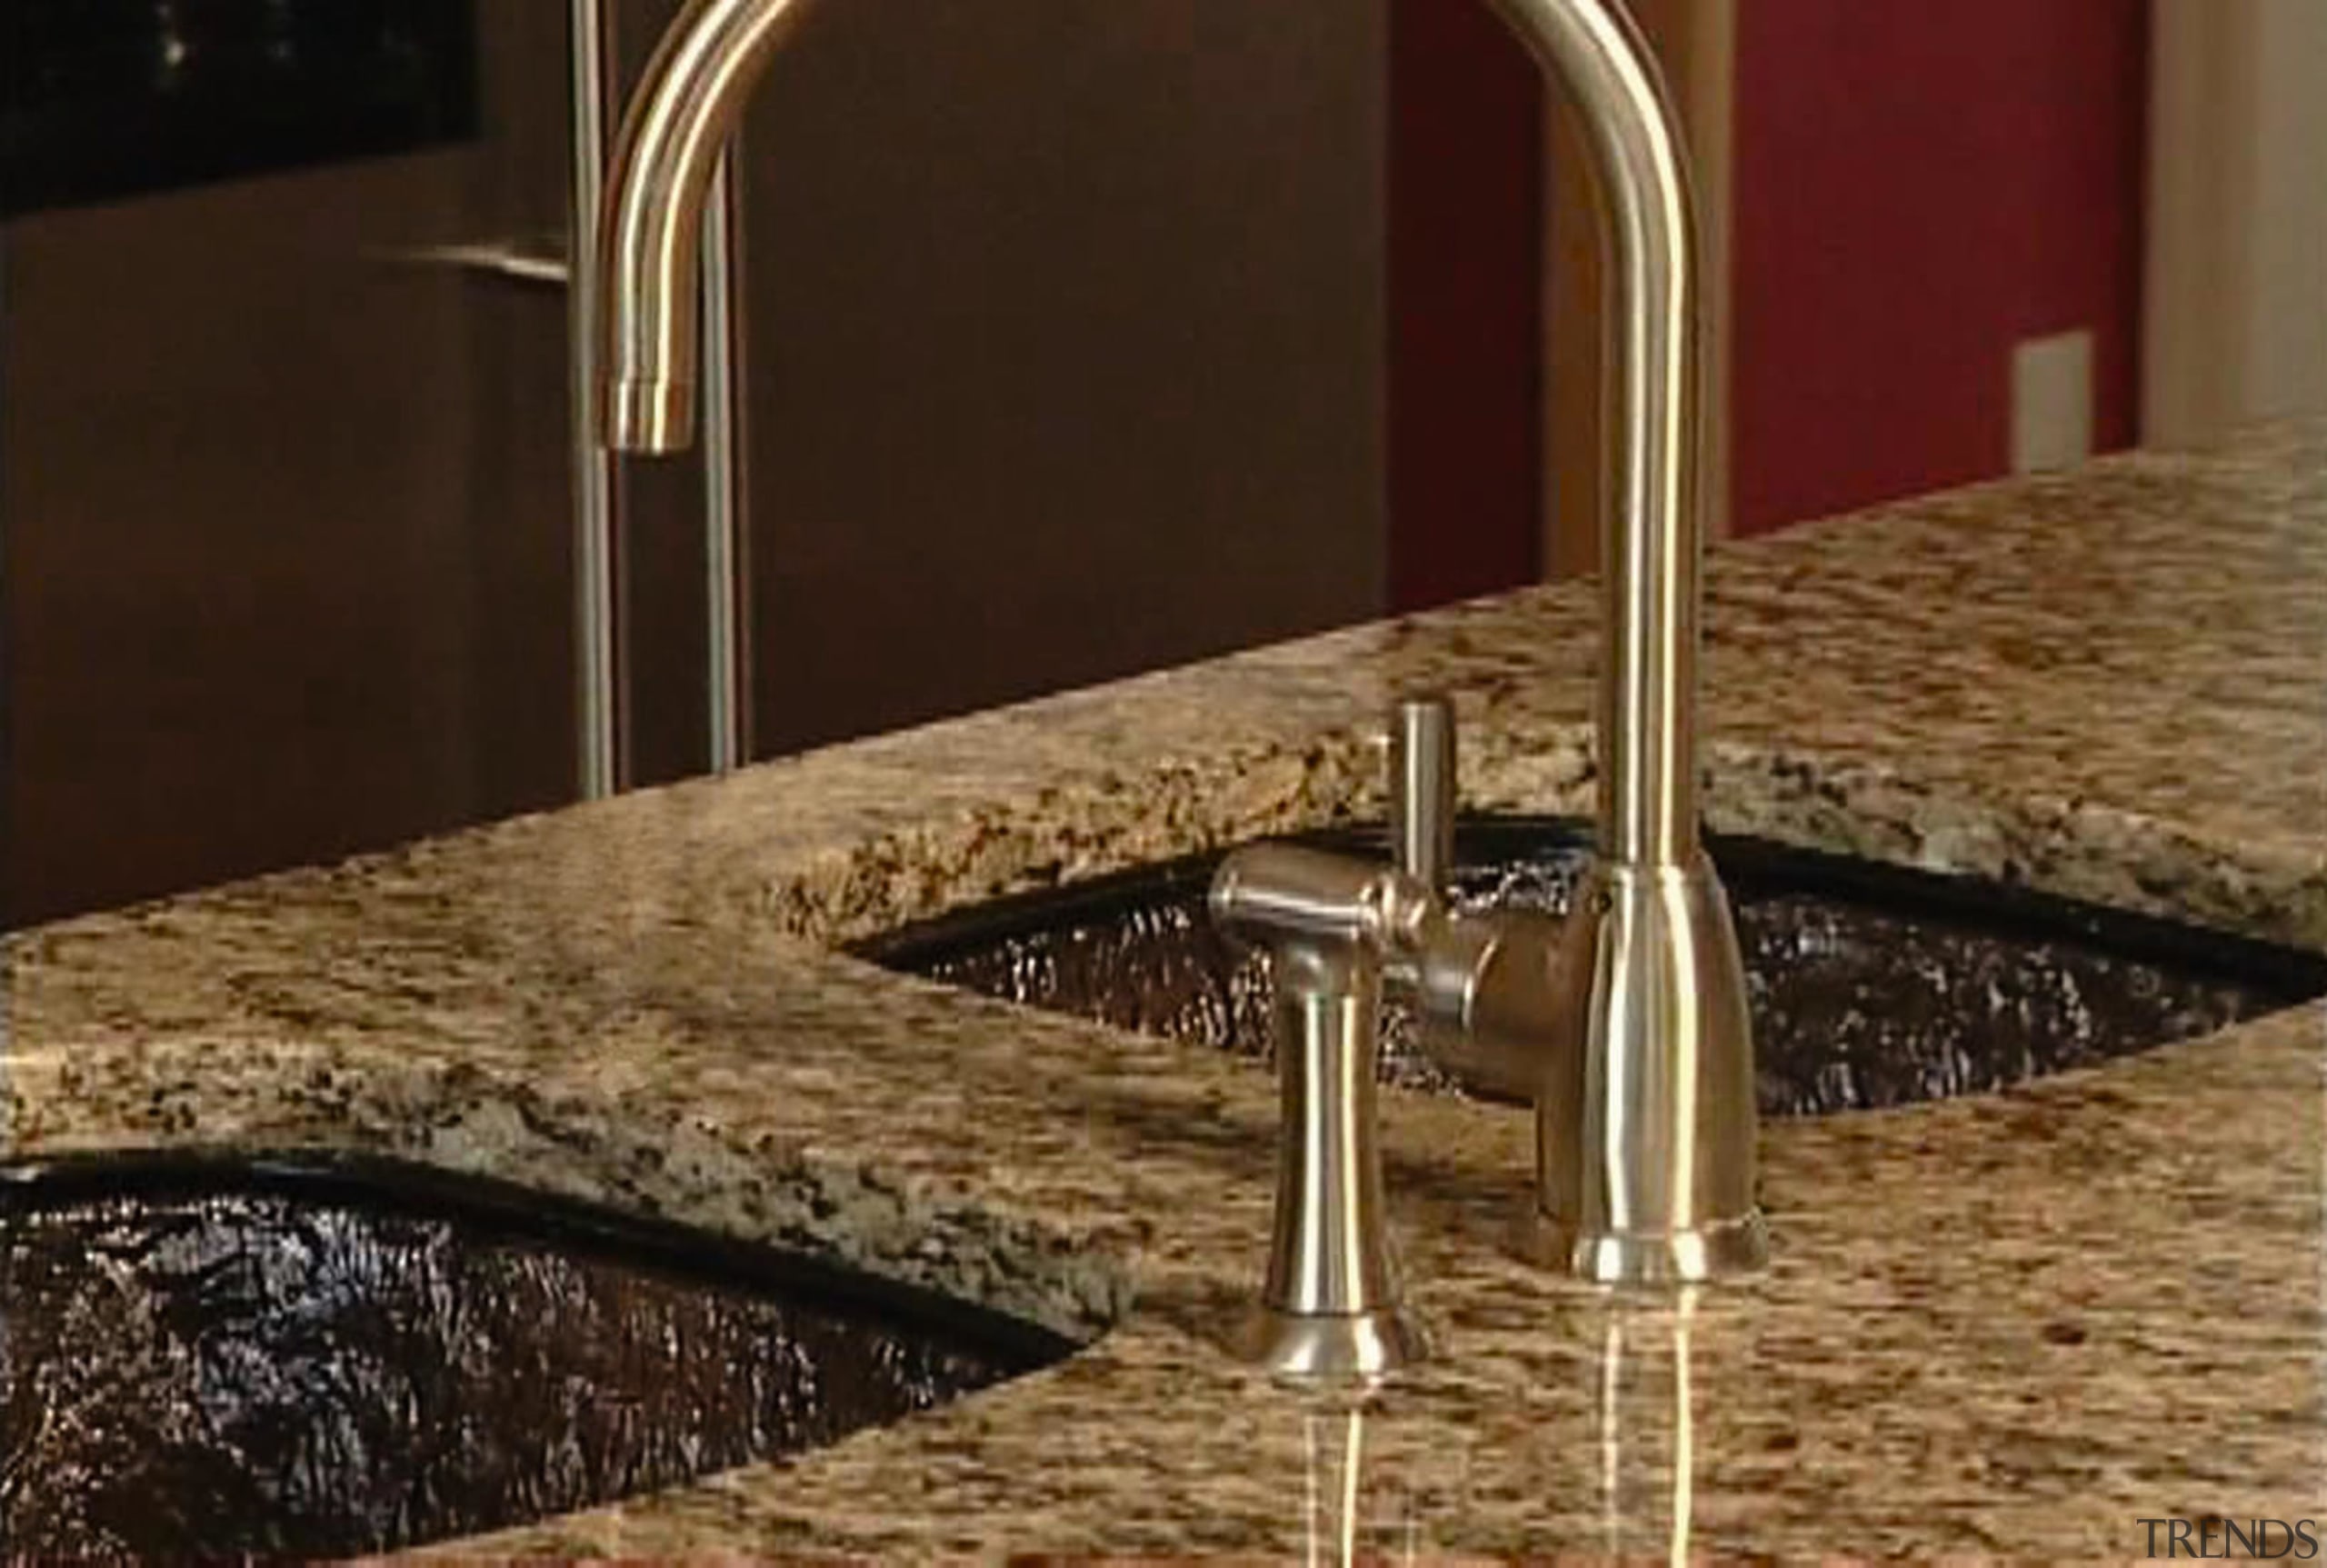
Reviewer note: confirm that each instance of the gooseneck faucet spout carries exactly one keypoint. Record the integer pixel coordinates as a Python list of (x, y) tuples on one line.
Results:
[(650, 236), (1643, 1080), (1648, 805), (710, 60)]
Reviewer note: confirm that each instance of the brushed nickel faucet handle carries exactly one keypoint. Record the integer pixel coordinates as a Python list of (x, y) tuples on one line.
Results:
[(1487, 989), (1423, 789), (1331, 1308)]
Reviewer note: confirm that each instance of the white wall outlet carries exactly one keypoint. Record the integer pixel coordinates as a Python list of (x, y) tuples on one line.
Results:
[(2051, 402)]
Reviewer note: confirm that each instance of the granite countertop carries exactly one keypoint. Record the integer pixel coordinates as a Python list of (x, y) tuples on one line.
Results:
[(2012, 1324)]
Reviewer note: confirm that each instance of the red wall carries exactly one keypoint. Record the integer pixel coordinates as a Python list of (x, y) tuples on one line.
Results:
[(1465, 356), (1919, 185)]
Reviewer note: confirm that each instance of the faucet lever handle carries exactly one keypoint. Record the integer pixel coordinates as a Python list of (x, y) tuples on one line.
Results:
[(1490, 992), (1423, 789)]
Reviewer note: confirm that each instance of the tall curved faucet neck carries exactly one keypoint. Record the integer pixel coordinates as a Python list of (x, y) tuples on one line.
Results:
[(650, 233), (708, 63)]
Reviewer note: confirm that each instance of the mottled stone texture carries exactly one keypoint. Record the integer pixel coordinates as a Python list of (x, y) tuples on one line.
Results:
[(2008, 1324)]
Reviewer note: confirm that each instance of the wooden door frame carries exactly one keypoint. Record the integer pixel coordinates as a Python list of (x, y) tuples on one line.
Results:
[(2234, 324), (1697, 40)]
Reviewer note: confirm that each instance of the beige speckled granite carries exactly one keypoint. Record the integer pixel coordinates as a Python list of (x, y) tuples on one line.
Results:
[(2008, 1325)]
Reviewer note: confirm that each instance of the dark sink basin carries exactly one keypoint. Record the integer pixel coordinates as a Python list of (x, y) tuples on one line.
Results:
[(203, 1360), (1870, 986)]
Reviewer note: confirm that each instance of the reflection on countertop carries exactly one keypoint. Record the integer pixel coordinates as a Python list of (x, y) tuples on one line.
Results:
[(1355, 1507), (2010, 1323)]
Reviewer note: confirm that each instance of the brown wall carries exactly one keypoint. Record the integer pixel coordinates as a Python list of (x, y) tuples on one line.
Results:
[(247, 599), (1065, 344)]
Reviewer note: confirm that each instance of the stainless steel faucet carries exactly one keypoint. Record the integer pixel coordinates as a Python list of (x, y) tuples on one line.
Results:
[(1626, 1025)]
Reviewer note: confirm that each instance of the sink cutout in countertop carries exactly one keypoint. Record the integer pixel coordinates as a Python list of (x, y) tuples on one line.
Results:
[(1870, 986), (210, 1358)]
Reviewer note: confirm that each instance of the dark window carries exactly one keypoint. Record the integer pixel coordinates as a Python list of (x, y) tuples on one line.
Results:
[(101, 99)]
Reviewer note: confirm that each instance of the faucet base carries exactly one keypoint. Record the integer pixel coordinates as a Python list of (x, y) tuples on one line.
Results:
[(1697, 1255), (1352, 1347), (1644, 1120)]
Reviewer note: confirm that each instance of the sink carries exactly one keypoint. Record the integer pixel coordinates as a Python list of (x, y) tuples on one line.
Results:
[(299, 1358), (1870, 986)]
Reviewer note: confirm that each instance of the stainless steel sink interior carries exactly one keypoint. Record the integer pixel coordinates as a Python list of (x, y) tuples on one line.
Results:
[(295, 1359), (1870, 986)]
